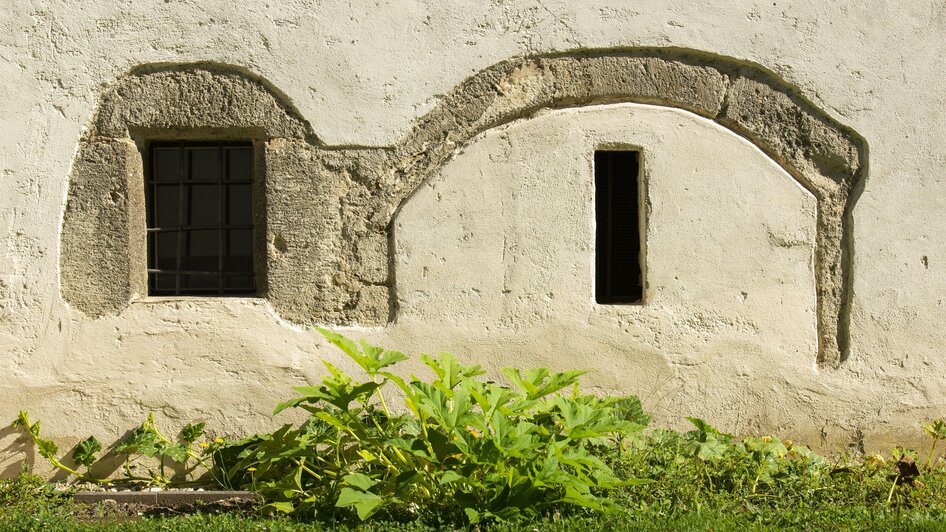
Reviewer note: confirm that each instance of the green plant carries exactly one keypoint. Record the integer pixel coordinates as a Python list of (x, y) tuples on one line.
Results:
[(144, 441), (147, 441), (84, 455), (937, 430), (465, 449)]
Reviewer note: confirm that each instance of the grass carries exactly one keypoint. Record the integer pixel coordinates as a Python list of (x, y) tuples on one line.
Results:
[(56, 517), (732, 490)]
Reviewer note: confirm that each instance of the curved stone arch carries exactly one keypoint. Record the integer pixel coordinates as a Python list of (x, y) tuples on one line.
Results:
[(102, 275), (329, 209), (826, 158), (174, 98)]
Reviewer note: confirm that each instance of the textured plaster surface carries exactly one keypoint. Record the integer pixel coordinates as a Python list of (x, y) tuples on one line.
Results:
[(516, 251), (359, 81)]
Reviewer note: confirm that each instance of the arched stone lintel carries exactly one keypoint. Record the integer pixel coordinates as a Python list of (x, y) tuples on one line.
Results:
[(334, 266), (825, 157), (177, 99)]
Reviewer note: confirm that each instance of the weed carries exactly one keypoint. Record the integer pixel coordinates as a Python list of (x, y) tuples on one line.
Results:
[(466, 449)]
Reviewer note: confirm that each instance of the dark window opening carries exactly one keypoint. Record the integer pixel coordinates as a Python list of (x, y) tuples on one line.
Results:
[(617, 229), (200, 218)]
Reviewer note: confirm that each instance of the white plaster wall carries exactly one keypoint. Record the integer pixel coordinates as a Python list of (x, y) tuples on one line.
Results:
[(504, 238), (360, 72)]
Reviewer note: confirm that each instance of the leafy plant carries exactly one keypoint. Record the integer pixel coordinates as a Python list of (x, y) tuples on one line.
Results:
[(85, 451), (465, 449), (937, 430), (144, 441), (84, 454), (147, 441)]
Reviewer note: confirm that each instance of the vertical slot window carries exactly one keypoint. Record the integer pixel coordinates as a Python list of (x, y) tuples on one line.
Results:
[(200, 219), (618, 278)]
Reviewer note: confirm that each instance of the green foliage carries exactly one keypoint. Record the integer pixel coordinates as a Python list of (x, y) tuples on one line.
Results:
[(937, 430), (48, 448), (769, 482), (757, 483), (465, 449), (144, 441), (192, 432), (531, 451), (84, 453), (147, 441)]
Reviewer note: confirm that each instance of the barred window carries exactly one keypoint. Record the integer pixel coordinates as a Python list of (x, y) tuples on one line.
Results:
[(200, 219)]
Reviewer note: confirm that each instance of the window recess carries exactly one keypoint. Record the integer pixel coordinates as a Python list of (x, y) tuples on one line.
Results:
[(618, 278), (200, 219)]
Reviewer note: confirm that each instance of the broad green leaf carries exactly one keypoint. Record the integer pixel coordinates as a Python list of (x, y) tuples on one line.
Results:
[(285, 507), (449, 371), (767, 446), (380, 358), (360, 481), (630, 409), (472, 515), (47, 448), (178, 453), (936, 429), (450, 476), (539, 382), (292, 403), (337, 389), (369, 357), (192, 431), (84, 453), (141, 440), (365, 503), (22, 420), (711, 449), (347, 346), (705, 428), (367, 455)]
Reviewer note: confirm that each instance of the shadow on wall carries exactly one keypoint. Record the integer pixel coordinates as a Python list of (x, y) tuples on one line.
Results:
[(329, 210), (17, 453)]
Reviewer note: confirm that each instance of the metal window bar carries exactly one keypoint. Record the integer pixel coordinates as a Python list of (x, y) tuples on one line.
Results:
[(199, 228), (228, 281)]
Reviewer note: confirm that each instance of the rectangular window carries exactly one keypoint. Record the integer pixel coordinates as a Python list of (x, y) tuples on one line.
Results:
[(617, 229), (200, 218)]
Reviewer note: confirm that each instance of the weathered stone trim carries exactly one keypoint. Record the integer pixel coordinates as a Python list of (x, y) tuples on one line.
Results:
[(825, 157), (329, 211), (176, 98), (100, 274)]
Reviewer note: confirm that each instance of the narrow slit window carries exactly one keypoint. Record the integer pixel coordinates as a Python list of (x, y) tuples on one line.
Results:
[(200, 219), (617, 230)]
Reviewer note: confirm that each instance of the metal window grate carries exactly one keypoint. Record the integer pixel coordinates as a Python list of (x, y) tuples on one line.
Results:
[(200, 218), (617, 230)]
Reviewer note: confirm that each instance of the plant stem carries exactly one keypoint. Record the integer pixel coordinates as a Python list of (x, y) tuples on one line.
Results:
[(890, 495), (307, 470)]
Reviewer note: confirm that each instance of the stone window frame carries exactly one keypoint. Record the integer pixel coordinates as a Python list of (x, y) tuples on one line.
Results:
[(329, 238)]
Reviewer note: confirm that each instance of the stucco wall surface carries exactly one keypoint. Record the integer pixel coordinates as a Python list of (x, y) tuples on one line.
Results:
[(499, 243), (362, 73)]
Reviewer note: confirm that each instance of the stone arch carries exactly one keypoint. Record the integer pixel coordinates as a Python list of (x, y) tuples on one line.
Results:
[(322, 217), (825, 157), (103, 246), (329, 209), (177, 99)]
